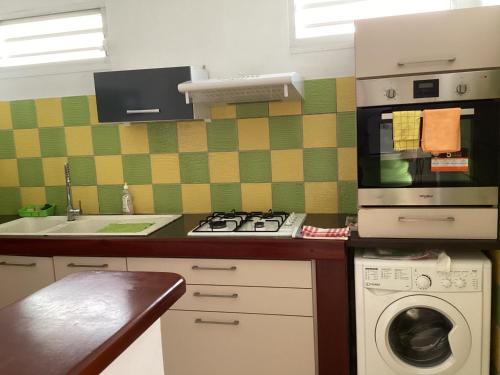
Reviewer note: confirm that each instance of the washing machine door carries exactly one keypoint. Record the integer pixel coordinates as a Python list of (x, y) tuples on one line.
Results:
[(423, 335)]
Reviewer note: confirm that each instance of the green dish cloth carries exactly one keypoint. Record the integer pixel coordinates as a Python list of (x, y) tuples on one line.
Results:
[(124, 228)]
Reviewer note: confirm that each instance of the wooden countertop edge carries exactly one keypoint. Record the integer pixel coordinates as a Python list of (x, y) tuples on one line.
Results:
[(104, 355)]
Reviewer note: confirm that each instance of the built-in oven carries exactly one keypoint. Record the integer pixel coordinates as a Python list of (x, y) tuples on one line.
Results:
[(425, 186)]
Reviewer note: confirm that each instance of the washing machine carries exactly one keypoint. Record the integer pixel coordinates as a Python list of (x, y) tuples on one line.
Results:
[(424, 316)]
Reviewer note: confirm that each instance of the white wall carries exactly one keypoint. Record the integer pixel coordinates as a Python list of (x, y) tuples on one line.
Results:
[(230, 37)]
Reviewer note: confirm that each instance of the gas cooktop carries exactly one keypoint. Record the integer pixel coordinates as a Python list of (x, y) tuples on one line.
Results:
[(234, 223)]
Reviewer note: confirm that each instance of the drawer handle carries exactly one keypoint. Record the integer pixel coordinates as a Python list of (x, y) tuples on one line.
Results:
[(18, 264), (198, 294), (199, 268), (405, 219), (104, 265), (447, 59), (230, 323), (139, 111)]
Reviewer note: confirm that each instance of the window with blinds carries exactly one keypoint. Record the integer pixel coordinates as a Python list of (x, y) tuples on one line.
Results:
[(71, 36)]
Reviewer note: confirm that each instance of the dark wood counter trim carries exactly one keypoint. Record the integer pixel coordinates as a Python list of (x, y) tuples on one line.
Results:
[(48, 332)]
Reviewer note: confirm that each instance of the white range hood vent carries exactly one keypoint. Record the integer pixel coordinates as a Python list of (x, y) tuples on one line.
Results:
[(255, 88)]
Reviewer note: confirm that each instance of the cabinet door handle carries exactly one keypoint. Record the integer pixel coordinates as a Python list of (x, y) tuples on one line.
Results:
[(104, 265), (139, 111), (198, 294), (18, 264), (199, 268), (405, 219), (447, 59), (229, 323)]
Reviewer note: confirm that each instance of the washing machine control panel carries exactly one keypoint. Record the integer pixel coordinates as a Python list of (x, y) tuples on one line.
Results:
[(422, 279)]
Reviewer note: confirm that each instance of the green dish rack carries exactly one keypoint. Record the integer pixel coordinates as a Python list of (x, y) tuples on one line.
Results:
[(33, 210)]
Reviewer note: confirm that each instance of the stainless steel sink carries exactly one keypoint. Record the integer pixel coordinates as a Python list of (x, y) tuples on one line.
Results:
[(84, 225)]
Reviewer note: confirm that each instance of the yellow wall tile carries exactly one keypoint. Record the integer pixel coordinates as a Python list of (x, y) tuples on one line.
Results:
[(320, 130), (495, 259), (196, 198), (27, 143), (88, 196), (9, 174), (347, 164), (321, 197), (79, 140), (287, 165), (49, 112), (192, 136), (346, 94), (224, 167), (256, 197), (134, 139), (53, 171), (496, 345), (253, 134), (143, 198), (223, 111), (283, 108), (33, 195), (109, 170), (5, 118), (165, 169), (93, 110)]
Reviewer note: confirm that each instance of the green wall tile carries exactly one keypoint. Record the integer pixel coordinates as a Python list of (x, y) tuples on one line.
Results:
[(225, 197), (320, 96), (30, 172), (255, 166), (7, 147), (110, 199), (10, 200), (23, 114), (320, 164), (288, 196), (57, 195), (137, 169), (222, 135), (167, 199), (106, 140), (82, 170), (162, 137), (348, 197), (346, 129), (52, 142), (246, 110), (194, 167), (75, 110), (285, 132)]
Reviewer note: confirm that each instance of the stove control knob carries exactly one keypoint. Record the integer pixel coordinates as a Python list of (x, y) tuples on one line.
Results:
[(423, 282), (390, 93), (446, 283), (460, 283), (461, 88)]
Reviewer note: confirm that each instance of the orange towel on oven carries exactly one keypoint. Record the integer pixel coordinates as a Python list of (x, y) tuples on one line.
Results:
[(441, 130)]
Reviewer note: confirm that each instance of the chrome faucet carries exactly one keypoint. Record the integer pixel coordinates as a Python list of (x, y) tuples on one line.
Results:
[(73, 213)]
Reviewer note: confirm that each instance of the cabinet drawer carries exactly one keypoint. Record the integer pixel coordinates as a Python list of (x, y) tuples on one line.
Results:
[(66, 265), (280, 301), (21, 276), (457, 223), (277, 273), (200, 343)]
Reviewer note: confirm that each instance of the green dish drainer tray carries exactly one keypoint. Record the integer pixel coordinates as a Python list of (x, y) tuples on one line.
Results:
[(34, 210)]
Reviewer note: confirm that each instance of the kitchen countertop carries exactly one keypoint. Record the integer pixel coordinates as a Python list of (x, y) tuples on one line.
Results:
[(57, 331)]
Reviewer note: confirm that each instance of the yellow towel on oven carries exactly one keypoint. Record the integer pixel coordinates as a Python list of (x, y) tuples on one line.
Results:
[(441, 130), (406, 130)]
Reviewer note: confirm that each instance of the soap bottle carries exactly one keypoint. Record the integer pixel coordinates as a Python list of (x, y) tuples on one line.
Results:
[(127, 205)]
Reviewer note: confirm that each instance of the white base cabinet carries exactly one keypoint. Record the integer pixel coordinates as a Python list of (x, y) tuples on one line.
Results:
[(21, 276)]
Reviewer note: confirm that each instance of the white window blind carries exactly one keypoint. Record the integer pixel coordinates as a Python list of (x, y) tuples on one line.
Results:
[(52, 38)]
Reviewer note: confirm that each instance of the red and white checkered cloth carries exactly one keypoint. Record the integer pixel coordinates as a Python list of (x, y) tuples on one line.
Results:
[(315, 233)]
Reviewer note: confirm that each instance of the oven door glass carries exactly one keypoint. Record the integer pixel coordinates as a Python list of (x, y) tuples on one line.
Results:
[(475, 165)]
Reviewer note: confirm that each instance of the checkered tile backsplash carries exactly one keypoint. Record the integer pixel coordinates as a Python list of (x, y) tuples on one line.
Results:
[(296, 156)]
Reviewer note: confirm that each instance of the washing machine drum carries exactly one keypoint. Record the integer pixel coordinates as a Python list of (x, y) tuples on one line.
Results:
[(423, 335)]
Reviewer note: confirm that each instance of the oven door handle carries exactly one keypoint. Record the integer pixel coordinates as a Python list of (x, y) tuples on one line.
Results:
[(404, 219)]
